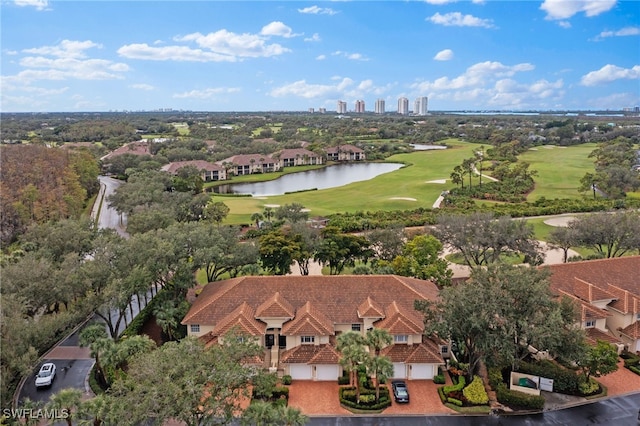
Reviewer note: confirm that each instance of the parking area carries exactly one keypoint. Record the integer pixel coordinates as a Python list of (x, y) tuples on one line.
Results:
[(321, 398)]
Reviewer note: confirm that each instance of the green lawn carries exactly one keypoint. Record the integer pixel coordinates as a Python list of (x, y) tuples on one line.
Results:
[(406, 188), (559, 170)]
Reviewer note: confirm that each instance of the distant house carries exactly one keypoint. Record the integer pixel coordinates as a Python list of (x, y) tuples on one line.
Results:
[(345, 153), (297, 319), (297, 157), (134, 148), (608, 294), (210, 172), (247, 164)]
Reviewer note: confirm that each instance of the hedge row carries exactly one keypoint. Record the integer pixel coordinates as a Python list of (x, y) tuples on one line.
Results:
[(511, 398), (455, 388), (367, 398), (564, 381)]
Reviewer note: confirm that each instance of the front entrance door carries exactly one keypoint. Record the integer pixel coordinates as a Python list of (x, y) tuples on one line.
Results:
[(282, 341), (269, 340)]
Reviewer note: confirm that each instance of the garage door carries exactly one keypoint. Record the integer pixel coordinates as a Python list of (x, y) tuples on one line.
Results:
[(327, 372), (421, 371), (300, 371), (399, 370)]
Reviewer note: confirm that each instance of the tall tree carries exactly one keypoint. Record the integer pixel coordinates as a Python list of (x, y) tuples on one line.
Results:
[(277, 252), (608, 234), (340, 250), (67, 401), (351, 348), (599, 360), (421, 259)]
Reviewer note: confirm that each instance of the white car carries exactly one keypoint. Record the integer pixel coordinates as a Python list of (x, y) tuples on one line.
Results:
[(46, 375)]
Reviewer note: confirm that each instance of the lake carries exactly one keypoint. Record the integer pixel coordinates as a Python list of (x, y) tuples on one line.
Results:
[(327, 177)]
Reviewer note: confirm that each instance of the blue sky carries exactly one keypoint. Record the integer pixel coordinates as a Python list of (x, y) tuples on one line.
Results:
[(291, 55)]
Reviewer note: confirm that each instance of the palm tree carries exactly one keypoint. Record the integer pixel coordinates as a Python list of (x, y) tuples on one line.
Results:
[(259, 413), (93, 412), (257, 217), (377, 339), (30, 406), (290, 416), (95, 337), (65, 401), (380, 368), (166, 315), (351, 346)]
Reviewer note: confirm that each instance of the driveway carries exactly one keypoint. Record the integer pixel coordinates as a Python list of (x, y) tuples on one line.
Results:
[(321, 398)]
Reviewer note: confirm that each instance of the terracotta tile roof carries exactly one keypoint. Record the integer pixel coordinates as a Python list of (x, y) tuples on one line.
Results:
[(398, 321), (310, 354), (621, 272), (275, 307), (632, 330), (198, 164), (412, 354), (336, 297), (627, 302), (424, 355), (134, 148), (208, 339), (308, 322), (326, 355), (585, 310), (343, 148), (370, 309), (295, 152), (594, 334), (245, 159), (589, 292), (243, 317)]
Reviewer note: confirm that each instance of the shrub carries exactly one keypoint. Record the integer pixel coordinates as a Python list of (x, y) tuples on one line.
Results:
[(286, 379), (564, 381), (439, 379), (455, 401), (281, 392), (589, 388), (367, 399), (455, 388), (635, 370), (515, 399), (475, 392), (344, 380), (443, 397)]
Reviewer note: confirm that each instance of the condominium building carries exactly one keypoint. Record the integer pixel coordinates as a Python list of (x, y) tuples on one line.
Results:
[(360, 106), (342, 107), (403, 106), (379, 106), (421, 106)]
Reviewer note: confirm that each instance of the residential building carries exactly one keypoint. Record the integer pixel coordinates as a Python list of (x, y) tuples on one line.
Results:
[(421, 106), (345, 152), (297, 319), (379, 106), (341, 107), (247, 164), (403, 106), (209, 172), (297, 157), (360, 106), (608, 294)]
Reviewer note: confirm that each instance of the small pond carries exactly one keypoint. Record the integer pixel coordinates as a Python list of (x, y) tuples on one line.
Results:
[(327, 177)]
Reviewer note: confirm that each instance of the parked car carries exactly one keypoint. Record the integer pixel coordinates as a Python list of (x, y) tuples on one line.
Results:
[(46, 375), (400, 391)]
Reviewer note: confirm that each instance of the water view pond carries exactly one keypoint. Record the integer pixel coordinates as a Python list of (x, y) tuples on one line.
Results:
[(327, 177)]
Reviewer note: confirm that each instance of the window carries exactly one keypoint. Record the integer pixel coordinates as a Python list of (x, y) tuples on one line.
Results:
[(590, 323), (240, 339), (400, 338), (307, 339), (355, 327), (444, 349), (638, 316), (195, 328)]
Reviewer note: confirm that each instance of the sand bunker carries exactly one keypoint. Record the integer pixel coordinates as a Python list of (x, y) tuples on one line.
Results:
[(403, 198), (559, 221), (272, 205), (437, 181)]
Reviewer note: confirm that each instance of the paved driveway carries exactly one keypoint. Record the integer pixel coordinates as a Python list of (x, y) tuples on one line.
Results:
[(321, 398)]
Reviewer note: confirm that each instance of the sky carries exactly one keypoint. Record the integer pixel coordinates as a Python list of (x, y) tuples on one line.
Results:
[(75, 56)]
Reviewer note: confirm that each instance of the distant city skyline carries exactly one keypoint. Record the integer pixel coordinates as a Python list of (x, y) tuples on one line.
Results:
[(545, 55)]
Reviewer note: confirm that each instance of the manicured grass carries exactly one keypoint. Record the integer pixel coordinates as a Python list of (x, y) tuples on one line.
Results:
[(559, 170), (385, 192), (183, 128)]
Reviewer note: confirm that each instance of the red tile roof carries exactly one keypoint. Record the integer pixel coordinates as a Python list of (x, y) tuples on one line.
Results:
[(275, 307), (417, 354), (198, 164), (308, 321), (242, 318), (589, 292), (585, 310), (397, 321), (632, 330), (310, 354), (335, 297), (594, 335), (295, 153), (627, 303), (370, 309), (245, 159), (343, 148)]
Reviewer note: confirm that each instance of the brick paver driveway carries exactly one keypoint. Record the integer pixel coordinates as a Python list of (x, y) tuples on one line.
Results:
[(321, 398)]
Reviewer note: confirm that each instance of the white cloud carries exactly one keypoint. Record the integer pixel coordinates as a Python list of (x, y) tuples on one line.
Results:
[(206, 93), (609, 73), (457, 19), (564, 9), (66, 49), (444, 55), (315, 10), (477, 75), (142, 86), (352, 56), (38, 4), (342, 87), (277, 28), (626, 31), (321, 57), (314, 37), (172, 53), (226, 43)]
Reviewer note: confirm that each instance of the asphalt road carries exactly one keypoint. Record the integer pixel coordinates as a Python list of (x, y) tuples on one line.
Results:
[(109, 217)]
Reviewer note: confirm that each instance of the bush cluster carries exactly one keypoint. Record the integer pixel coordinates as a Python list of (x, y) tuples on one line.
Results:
[(475, 392), (455, 388), (367, 398), (513, 399), (564, 381)]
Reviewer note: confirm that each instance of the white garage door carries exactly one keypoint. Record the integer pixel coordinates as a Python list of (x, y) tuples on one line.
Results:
[(327, 372), (399, 370), (300, 371), (421, 371)]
